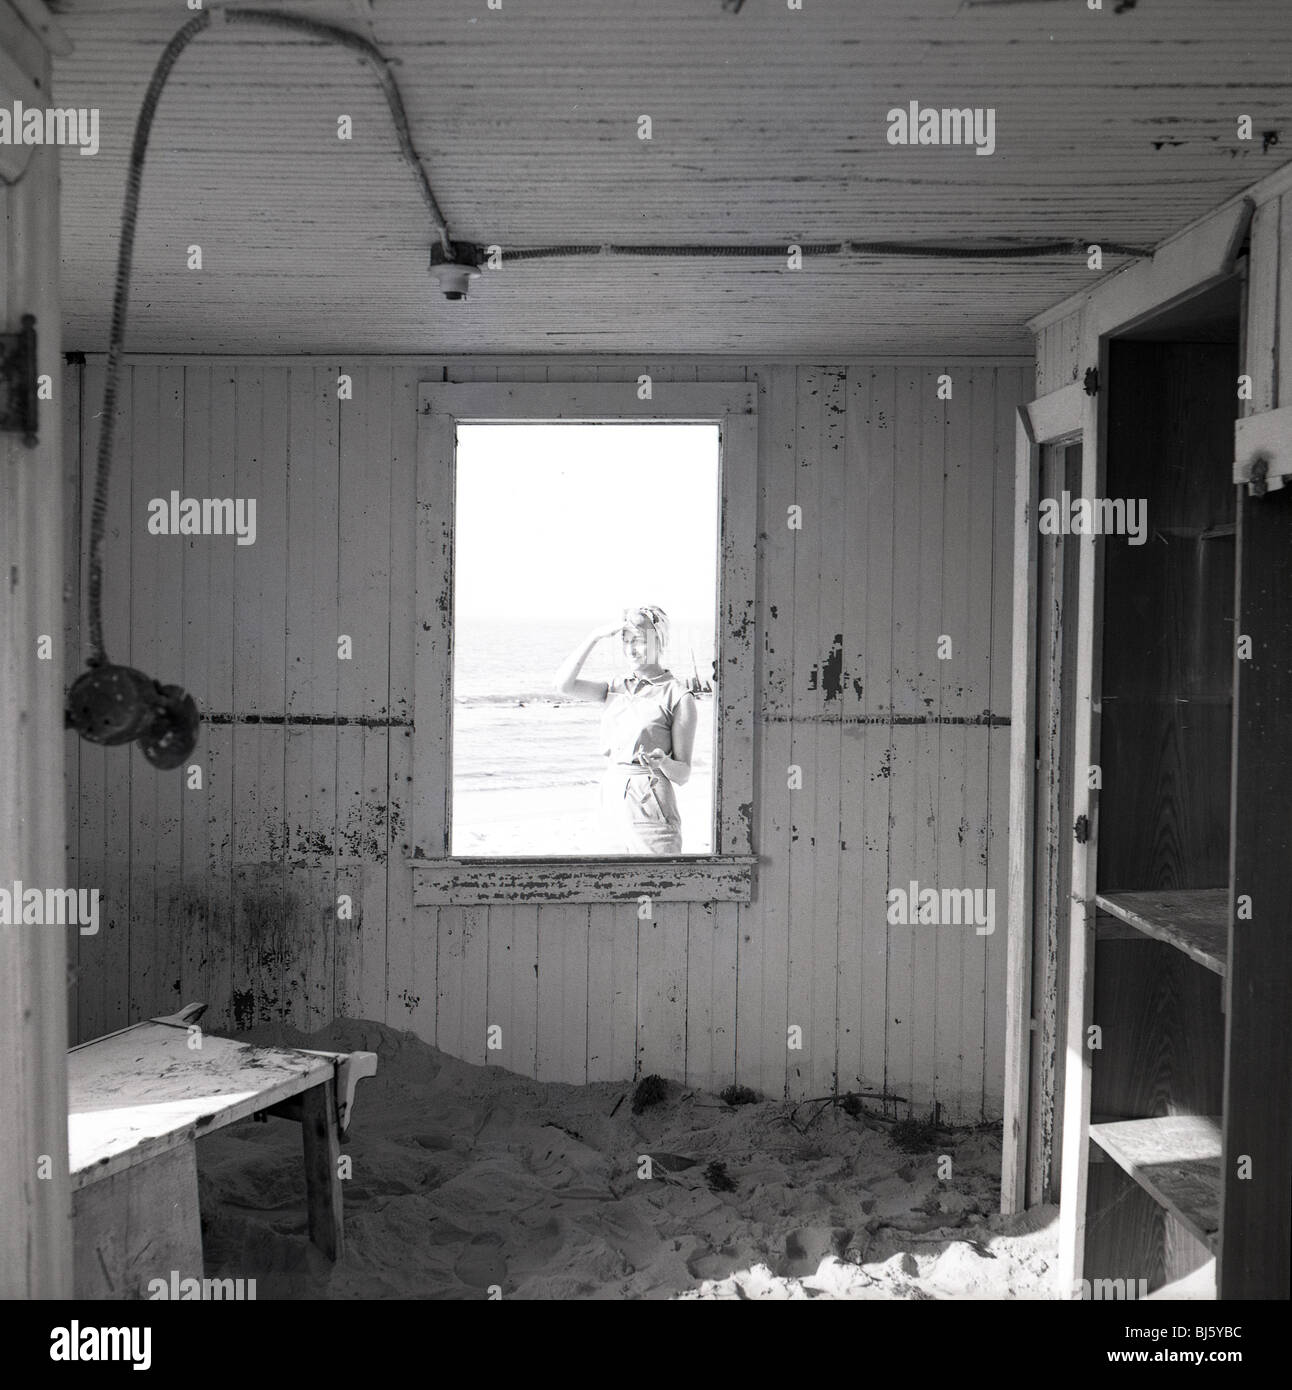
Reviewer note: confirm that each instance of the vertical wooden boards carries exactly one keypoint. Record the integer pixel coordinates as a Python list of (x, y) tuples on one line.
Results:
[(512, 990), (154, 581), (981, 697), (831, 694), (255, 935), (815, 707), (85, 804), (216, 606), (763, 941), (262, 896), (967, 624), (661, 991), (433, 673), (363, 771), (881, 481), (387, 943), (200, 894), (141, 480), (853, 902), (313, 676), (1255, 1216), (710, 995), (105, 958), (910, 662), (1012, 383), (737, 632), (562, 1032), (413, 988), (811, 1034), (932, 666), (167, 622), (612, 991), (462, 982), (1058, 351)]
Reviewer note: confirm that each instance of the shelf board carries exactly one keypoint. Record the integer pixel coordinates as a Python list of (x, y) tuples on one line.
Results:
[(1193, 920), (1176, 1160)]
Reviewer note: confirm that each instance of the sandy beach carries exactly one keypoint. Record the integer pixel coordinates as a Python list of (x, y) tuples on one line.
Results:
[(467, 1178)]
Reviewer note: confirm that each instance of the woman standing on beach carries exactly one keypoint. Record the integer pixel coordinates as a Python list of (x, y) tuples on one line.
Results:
[(647, 733)]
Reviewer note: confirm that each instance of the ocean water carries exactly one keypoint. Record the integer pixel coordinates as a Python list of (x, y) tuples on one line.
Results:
[(526, 763)]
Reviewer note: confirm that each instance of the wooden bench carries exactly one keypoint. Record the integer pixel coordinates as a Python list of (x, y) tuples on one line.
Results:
[(138, 1101)]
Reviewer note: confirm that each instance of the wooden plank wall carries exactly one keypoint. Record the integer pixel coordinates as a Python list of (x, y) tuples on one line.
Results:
[(229, 893), (1058, 353), (35, 1234)]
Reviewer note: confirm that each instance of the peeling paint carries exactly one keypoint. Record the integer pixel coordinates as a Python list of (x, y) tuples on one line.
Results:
[(362, 721), (832, 670), (985, 720), (242, 1003)]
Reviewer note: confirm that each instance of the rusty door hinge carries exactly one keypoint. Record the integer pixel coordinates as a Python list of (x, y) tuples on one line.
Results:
[(1091, 381), (1081, 830)]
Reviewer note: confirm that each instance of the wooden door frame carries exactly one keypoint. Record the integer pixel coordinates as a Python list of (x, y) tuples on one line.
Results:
[(1052, 419), (36, 1233)]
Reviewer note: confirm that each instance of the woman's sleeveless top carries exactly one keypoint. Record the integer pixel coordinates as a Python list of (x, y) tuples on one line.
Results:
[(638, 715)]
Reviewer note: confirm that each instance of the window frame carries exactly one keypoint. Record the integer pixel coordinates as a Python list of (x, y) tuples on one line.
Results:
[(726, 874)]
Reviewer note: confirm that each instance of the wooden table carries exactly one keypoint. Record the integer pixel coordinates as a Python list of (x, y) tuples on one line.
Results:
[(138, 1101)]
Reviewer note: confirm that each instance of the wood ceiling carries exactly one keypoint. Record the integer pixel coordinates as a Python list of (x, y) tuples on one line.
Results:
[(769, 126)]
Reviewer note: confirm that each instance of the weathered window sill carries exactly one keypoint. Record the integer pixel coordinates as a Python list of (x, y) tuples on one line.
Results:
[(726, 878)]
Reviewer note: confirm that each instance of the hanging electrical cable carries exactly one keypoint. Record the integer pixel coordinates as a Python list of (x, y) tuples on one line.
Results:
[(113, 704), (1003, 251)]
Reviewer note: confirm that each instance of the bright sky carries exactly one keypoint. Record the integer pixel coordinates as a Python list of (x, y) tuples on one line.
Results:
[(585, 520)]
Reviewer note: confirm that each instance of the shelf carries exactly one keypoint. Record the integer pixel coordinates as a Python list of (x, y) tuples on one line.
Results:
[(1176, 1160), (1194, 920)]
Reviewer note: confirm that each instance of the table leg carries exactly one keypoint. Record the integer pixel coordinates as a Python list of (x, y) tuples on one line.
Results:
[(322, 1182)]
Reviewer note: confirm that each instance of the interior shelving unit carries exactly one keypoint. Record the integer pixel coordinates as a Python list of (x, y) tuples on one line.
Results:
[(1195, 921), (1176, 1160), (1154, 1190)]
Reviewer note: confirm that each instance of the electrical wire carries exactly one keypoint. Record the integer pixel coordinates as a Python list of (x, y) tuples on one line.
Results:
[(297, 24), (964, 251)]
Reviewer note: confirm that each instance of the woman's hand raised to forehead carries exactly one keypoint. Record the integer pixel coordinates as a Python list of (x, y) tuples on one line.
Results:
[(612, 630)]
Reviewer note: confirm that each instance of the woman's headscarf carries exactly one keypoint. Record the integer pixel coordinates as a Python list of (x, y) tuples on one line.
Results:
[(652, 617)]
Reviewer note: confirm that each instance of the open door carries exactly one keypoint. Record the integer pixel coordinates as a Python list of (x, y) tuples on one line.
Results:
[(1055, 646)]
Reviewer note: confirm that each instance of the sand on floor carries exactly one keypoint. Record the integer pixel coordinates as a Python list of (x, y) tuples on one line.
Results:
[(471, 1182)]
